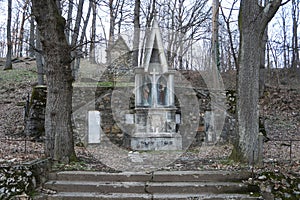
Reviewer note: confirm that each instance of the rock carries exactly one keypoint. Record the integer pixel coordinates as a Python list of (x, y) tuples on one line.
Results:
[(262, 178), (296, 192), (286, 195)]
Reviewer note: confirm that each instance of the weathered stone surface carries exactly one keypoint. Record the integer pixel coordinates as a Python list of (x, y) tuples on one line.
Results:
[(156, 185), (35, 112), (22, 178)]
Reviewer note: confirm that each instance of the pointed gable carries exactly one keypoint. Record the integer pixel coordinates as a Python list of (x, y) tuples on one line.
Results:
[(119, 48), (154, 48)]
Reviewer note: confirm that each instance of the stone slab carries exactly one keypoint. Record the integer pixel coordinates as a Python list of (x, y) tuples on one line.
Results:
[(196, 187), (203, 196), (101, 176), (100, 187), (133, 196), (94, 127), (156, 143), (98, 196), (201, 176)]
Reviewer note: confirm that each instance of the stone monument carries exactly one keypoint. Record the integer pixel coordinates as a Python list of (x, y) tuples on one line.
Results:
[(155, 111)]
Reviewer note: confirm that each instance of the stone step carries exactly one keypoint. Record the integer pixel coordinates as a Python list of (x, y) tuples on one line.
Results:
[(149, 187), (155, 185), (199, 187), (203, 176), (158, 176), (132, 196), (91, 186), (92, 196), (101, 176)]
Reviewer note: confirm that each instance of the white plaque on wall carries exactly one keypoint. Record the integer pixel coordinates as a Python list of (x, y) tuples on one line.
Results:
[(94, 127), (129, 119), (177, 118)]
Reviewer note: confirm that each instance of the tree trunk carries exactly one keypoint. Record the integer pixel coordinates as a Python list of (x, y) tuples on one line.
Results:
[(215, 33), (253, 20), (58, 127), (75, 38), (31, 37), (295, 51), (8, 64), (93, 35), (262, 68), (85, 23), (58, 4), (136, 35), (284, 32), (121, 17), (112, 20), (79, 53), (171, 37), (15, 35), (69, 20), (228, 29), (39, 59), (21, 36)]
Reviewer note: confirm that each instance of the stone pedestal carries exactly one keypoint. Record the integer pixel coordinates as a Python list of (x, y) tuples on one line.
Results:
[(156, 130), (156, 141)]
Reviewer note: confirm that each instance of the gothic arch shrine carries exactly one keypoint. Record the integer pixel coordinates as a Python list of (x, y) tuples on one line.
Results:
[(154, 99)]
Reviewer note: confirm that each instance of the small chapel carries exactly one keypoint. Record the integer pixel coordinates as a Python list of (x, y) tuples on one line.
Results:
[(155, 111)]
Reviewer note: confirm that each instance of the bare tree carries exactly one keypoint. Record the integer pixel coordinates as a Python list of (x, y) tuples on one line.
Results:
[(8, 64), (262, 70), (21, 32), (58, 126), (32, 37), (284, 42), (136, 32), (58, 4), (227, 21), (79, 46), (93, 34), (85, 23), (74, 41), (39, 59), (185, 23), (15, 34), (116, 17), (69, 20), (112, 19), (253, 20), (295, 47), (215, 33)]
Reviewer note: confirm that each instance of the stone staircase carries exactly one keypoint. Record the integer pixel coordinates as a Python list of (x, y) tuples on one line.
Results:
[(160, 185)]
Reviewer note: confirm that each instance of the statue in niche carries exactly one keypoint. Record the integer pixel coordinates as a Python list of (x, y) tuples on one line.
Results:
[(162, 91), (146, 95), (161, 94), (146, 92)]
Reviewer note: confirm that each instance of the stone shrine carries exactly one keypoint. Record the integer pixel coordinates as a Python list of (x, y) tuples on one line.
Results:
[(155, 111)]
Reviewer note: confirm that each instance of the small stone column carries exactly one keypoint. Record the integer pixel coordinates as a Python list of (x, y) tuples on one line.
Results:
[(138, 86), (171, 90)]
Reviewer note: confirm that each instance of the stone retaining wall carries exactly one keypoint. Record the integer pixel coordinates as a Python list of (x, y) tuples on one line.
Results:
[(22, 179), (90, 97)]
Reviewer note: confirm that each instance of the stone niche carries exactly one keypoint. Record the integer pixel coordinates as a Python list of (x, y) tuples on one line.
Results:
[(155, 111)]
